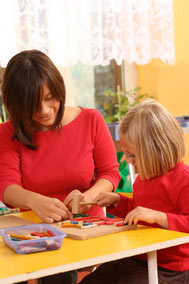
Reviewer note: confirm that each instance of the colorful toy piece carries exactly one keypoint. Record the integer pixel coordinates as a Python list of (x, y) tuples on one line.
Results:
[(121, 224), (5, 210), (85, 222)]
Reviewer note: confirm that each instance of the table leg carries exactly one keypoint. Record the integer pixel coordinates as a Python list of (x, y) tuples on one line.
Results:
[(152, 267)]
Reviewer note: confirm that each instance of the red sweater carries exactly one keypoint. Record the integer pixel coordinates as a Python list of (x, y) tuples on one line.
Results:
[(170, 194), (65, 160)]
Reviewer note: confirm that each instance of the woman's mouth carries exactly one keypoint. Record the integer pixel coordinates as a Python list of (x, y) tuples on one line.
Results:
[(45, 118)]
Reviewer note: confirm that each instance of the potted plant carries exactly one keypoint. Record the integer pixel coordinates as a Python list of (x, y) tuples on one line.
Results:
[(119, 102), (115, 106)]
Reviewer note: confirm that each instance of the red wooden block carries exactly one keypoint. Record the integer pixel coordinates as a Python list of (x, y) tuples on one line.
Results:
[(95, 219), (101, 223), (81, 218), (50, 233), (109, 223), (118, 219), (121, 224), (104, 218), (38, 234)]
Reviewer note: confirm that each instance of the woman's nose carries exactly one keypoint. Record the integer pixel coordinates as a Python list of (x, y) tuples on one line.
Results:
[(44, 108)]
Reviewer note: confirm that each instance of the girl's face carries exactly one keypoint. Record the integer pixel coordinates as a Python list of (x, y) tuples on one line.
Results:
[(128, 151), (46, 115)]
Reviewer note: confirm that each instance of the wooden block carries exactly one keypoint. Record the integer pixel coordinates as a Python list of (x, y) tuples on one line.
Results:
[(88, 203), (77, 202)]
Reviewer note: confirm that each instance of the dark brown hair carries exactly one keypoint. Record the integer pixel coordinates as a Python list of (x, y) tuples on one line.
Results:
[(22, 87)]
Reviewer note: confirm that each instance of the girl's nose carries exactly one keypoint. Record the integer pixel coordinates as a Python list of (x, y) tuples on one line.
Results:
[(129, 161)]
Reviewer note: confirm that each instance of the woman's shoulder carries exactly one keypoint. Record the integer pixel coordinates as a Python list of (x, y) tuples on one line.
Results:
[(6, 136), (88, 111), (6, 128), (76, 112), (92, 112)]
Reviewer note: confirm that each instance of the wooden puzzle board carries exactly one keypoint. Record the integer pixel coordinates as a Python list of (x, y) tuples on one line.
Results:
[(88, 233), (11, 221)]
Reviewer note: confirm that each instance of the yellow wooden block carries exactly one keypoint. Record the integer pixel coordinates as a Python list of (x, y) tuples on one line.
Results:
[(69, 225)]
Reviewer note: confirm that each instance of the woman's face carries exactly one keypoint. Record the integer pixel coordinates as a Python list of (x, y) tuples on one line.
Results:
[(46, 115)]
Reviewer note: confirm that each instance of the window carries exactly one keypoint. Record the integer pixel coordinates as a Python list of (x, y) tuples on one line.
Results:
[(90, 83)]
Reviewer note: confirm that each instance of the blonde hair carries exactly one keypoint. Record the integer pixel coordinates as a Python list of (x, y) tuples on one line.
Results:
[(156, 136)]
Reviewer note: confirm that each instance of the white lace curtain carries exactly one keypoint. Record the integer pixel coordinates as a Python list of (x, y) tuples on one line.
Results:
[(92, 31)]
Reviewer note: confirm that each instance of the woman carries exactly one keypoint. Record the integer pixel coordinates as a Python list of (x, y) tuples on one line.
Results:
[(49, 150)]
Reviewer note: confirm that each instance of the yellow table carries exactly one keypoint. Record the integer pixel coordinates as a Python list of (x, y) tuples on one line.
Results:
[(75, 254)]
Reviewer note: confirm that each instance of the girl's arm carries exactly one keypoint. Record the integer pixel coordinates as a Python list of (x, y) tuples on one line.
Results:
[(180, 198), (147, 215)]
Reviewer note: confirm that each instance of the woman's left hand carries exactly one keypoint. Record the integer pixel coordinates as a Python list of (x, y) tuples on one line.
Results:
[(68, 202), (147, 215)]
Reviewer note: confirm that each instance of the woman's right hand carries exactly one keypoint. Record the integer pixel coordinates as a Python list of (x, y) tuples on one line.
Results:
[(49, 209), (107, 199)]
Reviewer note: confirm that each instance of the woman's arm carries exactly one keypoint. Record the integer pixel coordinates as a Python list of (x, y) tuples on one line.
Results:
[(107, 175), (101, 185), (11, 190), (105, 157), (48, 209)]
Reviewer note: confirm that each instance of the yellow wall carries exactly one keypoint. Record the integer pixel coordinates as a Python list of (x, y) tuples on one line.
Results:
[(169, 84)]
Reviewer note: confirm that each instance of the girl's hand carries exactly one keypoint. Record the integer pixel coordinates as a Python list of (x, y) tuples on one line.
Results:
[(107, 199), (49, 209), (147, 215)]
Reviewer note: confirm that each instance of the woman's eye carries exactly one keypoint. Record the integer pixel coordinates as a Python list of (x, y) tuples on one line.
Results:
[(48, 98)]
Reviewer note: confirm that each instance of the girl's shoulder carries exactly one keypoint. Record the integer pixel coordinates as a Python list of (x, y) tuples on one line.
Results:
[(179, 174), (176, 177), (182, 169)]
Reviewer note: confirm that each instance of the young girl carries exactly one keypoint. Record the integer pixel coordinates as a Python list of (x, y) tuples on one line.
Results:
[(153, 141)]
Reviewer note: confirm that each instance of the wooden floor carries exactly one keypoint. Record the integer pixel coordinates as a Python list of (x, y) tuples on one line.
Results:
[(81, 275)]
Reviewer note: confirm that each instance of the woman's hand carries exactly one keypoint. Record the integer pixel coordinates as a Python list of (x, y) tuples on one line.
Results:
[(147, 215), (68, 202), (107, 199), (49, 209)]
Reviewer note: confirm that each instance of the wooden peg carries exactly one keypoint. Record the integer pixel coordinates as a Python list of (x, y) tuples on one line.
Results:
[(77, 202)]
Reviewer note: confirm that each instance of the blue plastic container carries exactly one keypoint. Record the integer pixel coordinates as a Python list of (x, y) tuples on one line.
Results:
[(34, 245)]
